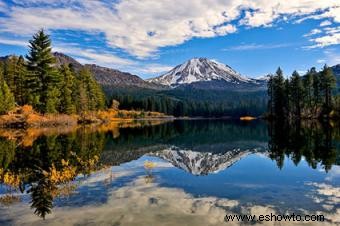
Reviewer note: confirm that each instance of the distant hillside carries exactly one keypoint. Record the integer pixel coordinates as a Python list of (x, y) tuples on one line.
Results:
[(64, 59), (108, 78)]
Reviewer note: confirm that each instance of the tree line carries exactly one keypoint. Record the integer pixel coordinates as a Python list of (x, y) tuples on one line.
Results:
[(195, 103), (36, 80), (303, 97)]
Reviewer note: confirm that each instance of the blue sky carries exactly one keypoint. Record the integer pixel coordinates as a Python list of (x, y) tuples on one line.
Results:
[(149, 37)]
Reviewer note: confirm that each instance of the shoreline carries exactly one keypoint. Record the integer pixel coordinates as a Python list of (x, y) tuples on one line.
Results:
[(56, 121), (25, 117)]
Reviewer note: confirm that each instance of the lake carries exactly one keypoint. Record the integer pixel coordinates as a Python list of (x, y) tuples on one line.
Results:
[(189, 172)]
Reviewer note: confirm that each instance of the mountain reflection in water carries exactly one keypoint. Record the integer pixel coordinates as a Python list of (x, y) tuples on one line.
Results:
[(96, 175)]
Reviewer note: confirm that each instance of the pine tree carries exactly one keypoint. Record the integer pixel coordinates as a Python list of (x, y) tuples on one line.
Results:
[(287, 98), (317, 100), (15, 74), (9, 72), (308, 84), (90, 93), (328, 83), (7, 102), (296, 90), (67, 95), (52, 100), (270, 91), (97, 96), (43, 79), (279, 94), (42, 199)]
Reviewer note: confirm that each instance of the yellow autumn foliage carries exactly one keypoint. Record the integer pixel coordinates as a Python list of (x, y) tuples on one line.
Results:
[(247, 118), (9, 199), (89, 165), (149, 165), (10, 179), (65, 190), (65, 175)]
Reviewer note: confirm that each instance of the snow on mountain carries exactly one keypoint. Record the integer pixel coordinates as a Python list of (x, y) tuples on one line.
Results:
[(200, 70), (202, 163), (263, 78)]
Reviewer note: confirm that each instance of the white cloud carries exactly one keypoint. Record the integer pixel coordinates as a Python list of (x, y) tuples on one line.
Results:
[(325, 23), (90, 56), (327, 40), (223, 30), (334, 173), (321, 61), (3, 6), (154, 69), (12, 42), (254, 46), (333, 12), (330, 36), (142, 27), (313, 32), (332, 56), (140, 202)]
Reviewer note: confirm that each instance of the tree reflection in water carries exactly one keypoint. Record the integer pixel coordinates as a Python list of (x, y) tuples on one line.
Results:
[(47, 165), (47, 168), (316, 142)]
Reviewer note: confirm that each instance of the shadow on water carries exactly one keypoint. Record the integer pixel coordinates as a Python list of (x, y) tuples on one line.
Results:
[(47, 166)]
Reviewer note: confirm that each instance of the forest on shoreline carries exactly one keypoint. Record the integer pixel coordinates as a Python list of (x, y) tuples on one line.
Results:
[(35, 91), (36, 81), (312, 96)]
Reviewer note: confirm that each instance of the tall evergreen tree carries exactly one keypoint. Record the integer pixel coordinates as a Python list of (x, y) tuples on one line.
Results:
[(287, 98), (44, 80), (15, 74), (317, 100), (21, 92), (308, 84), (9, 72), (90, 93), (270, 91), (67, 94), (279, 94), (52, 100), (296, 90), (328, 83), (7, 102)]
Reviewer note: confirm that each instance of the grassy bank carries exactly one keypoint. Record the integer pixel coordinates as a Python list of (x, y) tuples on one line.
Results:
[(26, 117)]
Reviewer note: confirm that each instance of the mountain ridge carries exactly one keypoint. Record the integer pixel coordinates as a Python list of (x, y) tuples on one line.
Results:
[(106, 77), (204, 73), (230, 79)]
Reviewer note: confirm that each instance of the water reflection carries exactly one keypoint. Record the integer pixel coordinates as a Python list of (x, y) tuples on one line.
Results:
[(41, 167), (139, 202), (316, 142)]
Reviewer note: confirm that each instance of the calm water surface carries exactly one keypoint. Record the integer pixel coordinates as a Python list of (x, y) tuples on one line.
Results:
[(173, 173)]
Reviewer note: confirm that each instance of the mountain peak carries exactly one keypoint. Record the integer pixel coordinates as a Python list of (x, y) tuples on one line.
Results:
[(198, 59), (203, 163), (200, 70)]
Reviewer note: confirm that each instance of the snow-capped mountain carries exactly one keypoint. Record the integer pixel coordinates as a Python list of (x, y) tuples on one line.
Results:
[(264, 78), (202, 163), (201, 70)]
